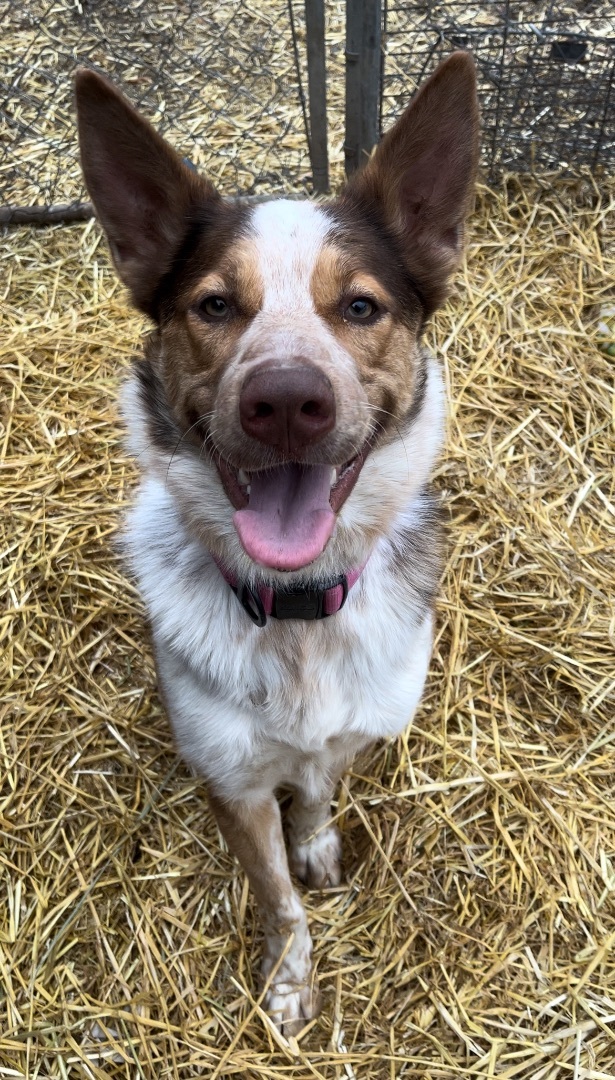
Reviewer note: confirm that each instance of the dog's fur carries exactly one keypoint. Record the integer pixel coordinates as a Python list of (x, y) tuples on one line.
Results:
[(287, 705)]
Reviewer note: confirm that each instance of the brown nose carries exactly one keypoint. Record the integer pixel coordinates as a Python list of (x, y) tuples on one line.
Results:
[(289, 408)]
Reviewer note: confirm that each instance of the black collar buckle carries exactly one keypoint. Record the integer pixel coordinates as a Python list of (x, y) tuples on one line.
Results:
[(307, 604)]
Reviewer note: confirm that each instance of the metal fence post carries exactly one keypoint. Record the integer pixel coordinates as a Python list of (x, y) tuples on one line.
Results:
[(317, 92), (363, 72)]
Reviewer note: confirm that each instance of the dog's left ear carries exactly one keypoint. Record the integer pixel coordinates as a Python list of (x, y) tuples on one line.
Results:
[(419, 181), (143, 193)]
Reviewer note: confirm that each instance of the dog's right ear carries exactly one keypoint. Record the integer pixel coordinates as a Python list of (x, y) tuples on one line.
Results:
[(143, 193)]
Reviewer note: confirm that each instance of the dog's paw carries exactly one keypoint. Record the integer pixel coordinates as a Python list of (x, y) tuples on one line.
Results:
[(318, 861), (290, 1007), (291, 998)]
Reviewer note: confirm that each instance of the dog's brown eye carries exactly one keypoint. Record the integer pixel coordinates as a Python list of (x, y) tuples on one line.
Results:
[(360, 309), (213, 307)]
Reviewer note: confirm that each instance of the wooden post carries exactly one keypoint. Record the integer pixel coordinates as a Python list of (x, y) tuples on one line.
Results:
[(317, 93), (62, 214), (363, 74)]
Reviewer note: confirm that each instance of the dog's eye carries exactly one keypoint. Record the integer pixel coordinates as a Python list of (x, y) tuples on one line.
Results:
[(360, 310), (213, 307)]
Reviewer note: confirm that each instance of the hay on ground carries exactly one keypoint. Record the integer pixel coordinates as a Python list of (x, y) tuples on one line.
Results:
[(473, 934)]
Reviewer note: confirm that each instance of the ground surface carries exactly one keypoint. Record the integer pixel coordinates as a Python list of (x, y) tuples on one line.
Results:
[(474, 933)]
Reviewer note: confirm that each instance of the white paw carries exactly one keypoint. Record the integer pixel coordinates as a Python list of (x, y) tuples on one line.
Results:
[(291, 1007), (291, 998), (318, 861)]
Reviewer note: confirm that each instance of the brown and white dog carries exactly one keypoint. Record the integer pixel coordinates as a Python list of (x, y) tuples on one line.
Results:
[(286, 418)]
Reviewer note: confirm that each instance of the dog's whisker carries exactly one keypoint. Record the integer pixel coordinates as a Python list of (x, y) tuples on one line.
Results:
[(386, 412), (196, 423)]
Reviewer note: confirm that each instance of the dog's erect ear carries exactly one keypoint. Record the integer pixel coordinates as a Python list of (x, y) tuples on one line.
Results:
[(420, 179), (143, 193)]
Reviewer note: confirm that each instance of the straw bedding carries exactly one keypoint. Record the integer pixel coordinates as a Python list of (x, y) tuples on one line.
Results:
[(474, 933)]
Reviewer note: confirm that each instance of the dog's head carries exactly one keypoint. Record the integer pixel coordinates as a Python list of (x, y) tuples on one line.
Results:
[(286, 379)]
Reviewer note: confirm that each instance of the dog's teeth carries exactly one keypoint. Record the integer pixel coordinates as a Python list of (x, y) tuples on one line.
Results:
[(248, 489), (243, 477), (333, 477)]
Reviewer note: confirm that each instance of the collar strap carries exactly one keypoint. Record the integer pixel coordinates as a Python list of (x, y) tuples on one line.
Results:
[(307, 603)]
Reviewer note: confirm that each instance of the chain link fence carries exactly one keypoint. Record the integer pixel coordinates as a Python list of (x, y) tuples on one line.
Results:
[(222, 80), (546, 74)]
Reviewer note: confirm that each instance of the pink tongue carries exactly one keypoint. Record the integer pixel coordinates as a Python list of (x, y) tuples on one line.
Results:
[(289, 518)]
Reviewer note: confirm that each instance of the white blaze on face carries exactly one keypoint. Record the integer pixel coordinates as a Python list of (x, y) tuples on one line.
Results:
[(288, 238), (289, 519)]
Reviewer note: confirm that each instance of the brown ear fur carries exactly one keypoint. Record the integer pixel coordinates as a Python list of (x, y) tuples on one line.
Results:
[(143, 193), (420, 179)]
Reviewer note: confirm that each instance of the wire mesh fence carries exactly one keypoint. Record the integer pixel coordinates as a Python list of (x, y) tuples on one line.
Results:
[(224, 79), (546, 73), (219, 78)]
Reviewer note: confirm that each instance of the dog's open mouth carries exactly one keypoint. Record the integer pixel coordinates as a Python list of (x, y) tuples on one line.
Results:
[(286, 515)]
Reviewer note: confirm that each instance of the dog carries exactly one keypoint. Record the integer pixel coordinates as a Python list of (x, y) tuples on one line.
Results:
[(286, 418)]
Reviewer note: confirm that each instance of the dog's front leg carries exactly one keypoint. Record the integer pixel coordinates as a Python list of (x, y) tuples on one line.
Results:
[(314, 844), (253, 832)]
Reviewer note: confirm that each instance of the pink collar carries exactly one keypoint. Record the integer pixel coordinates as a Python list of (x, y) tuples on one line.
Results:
[(317, 602)]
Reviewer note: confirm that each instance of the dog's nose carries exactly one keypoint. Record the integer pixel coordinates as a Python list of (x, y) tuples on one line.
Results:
[(289, 408)]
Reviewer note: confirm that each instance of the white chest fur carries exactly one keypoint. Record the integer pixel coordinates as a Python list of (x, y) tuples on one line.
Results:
[(253, 708)]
